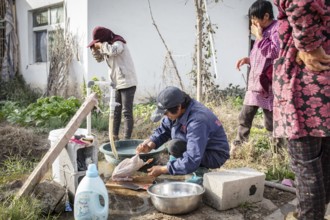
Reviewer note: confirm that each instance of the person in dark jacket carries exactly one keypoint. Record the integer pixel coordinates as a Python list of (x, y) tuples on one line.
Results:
[(195, 137)]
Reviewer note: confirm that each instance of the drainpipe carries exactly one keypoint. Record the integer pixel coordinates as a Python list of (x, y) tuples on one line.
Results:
[(112, 105)]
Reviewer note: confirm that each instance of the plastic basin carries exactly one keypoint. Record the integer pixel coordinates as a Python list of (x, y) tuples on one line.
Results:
[(126, 149)]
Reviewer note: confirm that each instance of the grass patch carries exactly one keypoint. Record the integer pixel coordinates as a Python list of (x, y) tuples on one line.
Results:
[(14, 167), (25, 208), (259, 152)]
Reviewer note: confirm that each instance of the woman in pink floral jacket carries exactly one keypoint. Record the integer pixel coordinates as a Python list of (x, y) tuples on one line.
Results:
[(301, 86)]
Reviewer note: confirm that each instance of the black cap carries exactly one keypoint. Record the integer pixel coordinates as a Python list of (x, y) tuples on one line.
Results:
[(168, 98)]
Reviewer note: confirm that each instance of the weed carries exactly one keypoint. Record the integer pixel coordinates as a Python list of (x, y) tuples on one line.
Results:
[(100, 121), (27, 208), (247, 205), (14, 167), (280, 173), (17, 90)]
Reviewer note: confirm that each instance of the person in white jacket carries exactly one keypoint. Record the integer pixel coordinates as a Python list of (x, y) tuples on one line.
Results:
[(113, 49)]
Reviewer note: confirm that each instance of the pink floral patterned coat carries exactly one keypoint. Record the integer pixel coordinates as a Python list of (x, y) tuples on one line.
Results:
[(301, 97)]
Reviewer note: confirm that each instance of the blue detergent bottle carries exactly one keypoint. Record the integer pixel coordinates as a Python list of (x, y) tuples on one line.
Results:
[(90, 192)]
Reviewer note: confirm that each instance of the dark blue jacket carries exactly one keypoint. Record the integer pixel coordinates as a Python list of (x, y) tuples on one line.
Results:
[(207, 143)]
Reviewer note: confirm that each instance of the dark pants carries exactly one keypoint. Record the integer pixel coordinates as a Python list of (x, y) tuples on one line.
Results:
[(310, 158), (245, 120), (125, 98), (177, 147)]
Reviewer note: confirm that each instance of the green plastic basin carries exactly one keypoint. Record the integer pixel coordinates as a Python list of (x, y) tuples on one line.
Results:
[(126, 149)]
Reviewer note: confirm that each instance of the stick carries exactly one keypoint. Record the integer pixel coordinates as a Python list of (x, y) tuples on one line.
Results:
[(168, 51)]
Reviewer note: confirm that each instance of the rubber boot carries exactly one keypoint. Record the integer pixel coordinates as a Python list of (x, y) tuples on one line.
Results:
[(172, 158), (195, 179)]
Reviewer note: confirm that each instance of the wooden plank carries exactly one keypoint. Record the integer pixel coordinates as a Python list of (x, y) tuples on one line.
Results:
[(138, 183), (53, 152)]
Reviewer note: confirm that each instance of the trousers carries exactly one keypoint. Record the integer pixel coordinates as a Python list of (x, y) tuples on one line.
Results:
[(125, 98), (245, 120), (310, 162)]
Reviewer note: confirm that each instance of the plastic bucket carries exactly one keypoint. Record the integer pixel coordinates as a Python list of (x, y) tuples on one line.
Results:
[(53, 137)]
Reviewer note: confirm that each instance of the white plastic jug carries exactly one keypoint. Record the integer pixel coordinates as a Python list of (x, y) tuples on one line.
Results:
[(87, 199)]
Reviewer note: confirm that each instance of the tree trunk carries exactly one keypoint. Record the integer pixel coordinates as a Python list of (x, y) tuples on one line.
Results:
[(199, 13)]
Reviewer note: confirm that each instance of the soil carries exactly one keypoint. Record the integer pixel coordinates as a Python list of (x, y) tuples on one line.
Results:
[(29, 144)]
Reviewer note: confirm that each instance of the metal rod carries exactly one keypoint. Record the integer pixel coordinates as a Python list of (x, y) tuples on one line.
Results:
[(281, 187)]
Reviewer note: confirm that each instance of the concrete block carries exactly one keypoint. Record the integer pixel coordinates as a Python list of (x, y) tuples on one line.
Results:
[(229, 188)]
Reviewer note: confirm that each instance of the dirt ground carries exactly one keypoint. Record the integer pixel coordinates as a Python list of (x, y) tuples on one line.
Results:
[(29, 144)]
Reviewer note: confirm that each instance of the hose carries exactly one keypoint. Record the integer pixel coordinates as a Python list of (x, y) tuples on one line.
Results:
[(112, 105)]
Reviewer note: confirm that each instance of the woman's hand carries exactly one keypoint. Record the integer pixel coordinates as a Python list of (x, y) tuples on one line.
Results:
[(316, 60), (157, 170), (97, 55), (145, 147), (97, 45), (256, 30), (241, 62)]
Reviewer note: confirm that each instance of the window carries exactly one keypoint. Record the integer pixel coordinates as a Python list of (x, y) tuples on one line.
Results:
[(45, 21)]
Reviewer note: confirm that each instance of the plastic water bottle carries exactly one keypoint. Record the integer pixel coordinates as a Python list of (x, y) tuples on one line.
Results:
[(87, 203)]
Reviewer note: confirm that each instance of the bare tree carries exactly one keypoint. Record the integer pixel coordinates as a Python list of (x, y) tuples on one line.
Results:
[(169, 54)]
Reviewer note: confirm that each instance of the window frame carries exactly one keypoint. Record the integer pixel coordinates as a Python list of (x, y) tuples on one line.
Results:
[(48, 28)]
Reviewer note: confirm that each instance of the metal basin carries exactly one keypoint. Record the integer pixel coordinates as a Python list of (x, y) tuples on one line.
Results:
[(176, 197), (126, 149)]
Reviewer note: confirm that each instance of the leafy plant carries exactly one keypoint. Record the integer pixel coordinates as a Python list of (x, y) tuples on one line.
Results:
[(95, 88), (44, 112), (144, 111)]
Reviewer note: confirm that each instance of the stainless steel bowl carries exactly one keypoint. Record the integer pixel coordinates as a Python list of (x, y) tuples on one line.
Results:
[(176, 197)]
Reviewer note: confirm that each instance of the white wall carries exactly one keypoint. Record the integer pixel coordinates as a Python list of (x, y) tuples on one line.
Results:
[(130, 18), (176, 22), (36, 73), (77, 18)]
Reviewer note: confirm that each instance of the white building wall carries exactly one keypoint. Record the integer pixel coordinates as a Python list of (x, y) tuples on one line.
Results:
[(36, 74), (176, 20), (77, 17)]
